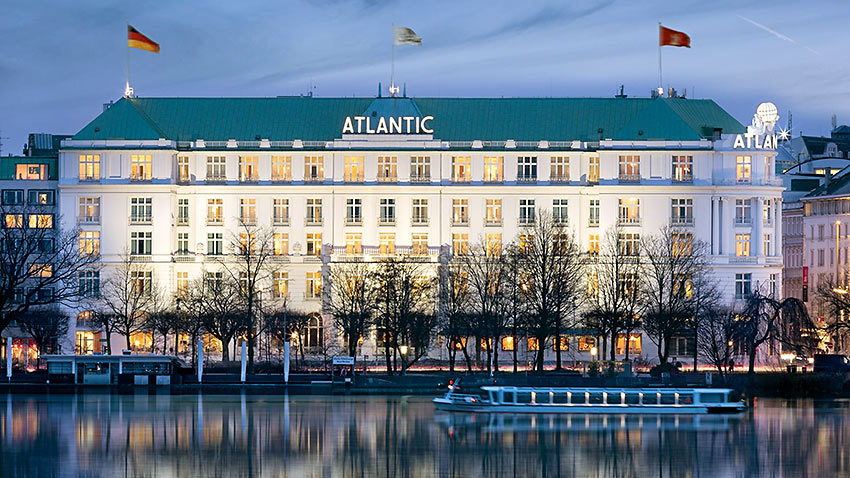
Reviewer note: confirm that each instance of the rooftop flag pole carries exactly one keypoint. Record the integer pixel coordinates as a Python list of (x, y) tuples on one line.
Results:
[(127, 90), (136, 39), (401, 36), (660, 82), (668, 37), (392, 65)]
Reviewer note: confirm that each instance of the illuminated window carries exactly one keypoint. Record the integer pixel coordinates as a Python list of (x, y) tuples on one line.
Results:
[(314, 243), (742, 245), (13, 221), (629, 211), (494, 169), (593, 169), (314, 168), (353, 243), (31, 171), (248, 211), (215, 211), (508, 343), (87, 342), (89, 167), (248, 171), (280, 284), (281, 169), (354, 169), (683, 244), (140, 167), (183, 175), (526, 169), (460, 212), (141, 341), (41, 197), (634, 344), (560, 169), (41, 270), (593, 245), (493, 244), (461, 171), (280, 211), (216, 168), (420, 211), (314, 211), (142, 281), (564, 343), (586, 343), (387, 169), (386, 243), (182, 284), (493, 211), (460, 244), (314, 285), (41, 221), (593, 285), (89, 242), (420, 169), (247, 243), (743, 168), (629, 244), (629, 168), (683, 169), (420, 244), (533, 344)]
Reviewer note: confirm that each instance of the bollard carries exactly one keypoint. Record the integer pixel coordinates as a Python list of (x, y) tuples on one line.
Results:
[(244, 361), (286, 362), (200, 360), (9, 358)]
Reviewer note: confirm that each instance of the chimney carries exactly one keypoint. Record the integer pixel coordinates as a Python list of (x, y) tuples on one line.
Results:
[(827, 177)]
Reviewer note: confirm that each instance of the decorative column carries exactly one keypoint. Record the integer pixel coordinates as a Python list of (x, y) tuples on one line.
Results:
[(757, 236), (777, 227), (727, 232), (715, 225)]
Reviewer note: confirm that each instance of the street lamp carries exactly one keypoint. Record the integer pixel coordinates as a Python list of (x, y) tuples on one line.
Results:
[(593, 352), (403, 349)]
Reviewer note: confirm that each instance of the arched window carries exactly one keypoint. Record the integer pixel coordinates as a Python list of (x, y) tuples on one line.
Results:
[(313, 336)]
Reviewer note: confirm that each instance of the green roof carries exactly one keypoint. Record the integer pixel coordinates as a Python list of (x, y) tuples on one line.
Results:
[(8, 165), (455, 119)]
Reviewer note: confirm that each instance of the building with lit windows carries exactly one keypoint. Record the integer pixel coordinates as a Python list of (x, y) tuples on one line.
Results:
[(167, 180)]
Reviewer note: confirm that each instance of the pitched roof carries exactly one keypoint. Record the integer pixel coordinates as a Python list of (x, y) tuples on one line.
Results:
[(455, 119), (816, 145)]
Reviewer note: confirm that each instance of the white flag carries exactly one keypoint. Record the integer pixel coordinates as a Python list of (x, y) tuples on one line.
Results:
[(406, 36)]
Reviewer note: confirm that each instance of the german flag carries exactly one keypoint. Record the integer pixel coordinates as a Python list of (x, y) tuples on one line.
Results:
[(137, 40)]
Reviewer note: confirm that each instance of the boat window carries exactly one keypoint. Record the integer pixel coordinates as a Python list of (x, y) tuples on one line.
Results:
[(668, 398), (686, 399), (596, 397), (650, 399), (560, 397), (614, 398), (711, 398), (632, 398), (578, 397), (523, 397)]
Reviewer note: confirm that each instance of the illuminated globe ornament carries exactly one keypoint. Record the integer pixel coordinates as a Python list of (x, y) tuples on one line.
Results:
[(767, 114)]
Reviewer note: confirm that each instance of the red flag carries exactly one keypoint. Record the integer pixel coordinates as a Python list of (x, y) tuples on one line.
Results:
[(668, 37)]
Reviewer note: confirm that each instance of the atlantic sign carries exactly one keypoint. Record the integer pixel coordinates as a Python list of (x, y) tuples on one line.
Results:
[(760, 133), (390, 125)]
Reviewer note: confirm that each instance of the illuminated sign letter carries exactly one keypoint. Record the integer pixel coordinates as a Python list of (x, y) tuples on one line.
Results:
[(425, 128), (395, 125), (348, 126), (382, 126), (739, 142)]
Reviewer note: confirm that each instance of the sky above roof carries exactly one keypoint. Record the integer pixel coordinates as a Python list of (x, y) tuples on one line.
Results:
[(60, 61)]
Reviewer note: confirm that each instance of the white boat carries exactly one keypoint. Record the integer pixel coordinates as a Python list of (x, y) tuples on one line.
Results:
[(507, 399)]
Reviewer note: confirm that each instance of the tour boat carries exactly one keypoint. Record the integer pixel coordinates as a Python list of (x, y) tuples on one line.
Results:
[(508, 399)]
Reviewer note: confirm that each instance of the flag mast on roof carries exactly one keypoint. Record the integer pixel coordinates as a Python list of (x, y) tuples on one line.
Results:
[(401, 36), (136, 40), (668, 37)]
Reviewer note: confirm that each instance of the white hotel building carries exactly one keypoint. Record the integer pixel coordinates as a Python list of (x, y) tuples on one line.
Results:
[(168, 180)]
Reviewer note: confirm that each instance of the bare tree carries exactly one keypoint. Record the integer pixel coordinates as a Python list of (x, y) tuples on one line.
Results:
[(39, 265), (716, 337), (352, 301), (552, 272), (674, 262), (454, 310), (46, 326), (219, 305), (613, 285), (128, 293), (515, 297), (289, 325), (834, 296)]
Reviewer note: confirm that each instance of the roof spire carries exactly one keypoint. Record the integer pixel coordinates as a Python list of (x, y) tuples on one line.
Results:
[(379, 89), (404, 94)]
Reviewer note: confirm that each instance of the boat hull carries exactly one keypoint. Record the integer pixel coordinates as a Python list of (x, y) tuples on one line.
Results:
[(484, 407)]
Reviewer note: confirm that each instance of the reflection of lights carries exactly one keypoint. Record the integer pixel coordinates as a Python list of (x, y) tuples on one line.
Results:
[(839, 290), (403, 349)]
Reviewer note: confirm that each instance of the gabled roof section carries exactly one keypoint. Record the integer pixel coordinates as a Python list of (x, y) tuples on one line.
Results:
[(455, 119), (838, 185)]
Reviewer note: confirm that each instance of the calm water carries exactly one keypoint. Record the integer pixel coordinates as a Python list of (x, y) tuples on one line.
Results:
[(104, 435)]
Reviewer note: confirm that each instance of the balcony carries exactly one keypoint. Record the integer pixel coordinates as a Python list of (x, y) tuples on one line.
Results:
[(353, 221), (683, 179), (215, 220), (561, 221), (526, 178), (743, 260), (280, 221), (559, 179), (182, 256), (677, 220), (460, 179), (313, 179), (629, 178), (140, 219), (493, 221), (593, 221), (182, 221), (525, 221), (313, 221), (419, 221), (216, 179), (88, 220), (386, 221), (629, 221), (743, 221), (420, 179), (248, 220), (460, 221)]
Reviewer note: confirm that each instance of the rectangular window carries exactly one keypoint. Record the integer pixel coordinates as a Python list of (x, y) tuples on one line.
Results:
[(314, 211), (31, 171), (353, 169), (353, 243), (629, 211), (248, 171), (89, 242), (353, 211), (280, 284), (387, 212), (629, 244), (215, 246), (494, 169), (281, 169), (743, 285), (215, 211), (420, 169), (182, 212), (593, 245), (560, 211), (248, 211), (460, 244), (182, 243), (526, 212), (420, 243), (280, 211), (314, 168), (560, 169), (593, 213), (630, 169), (493, 212), (683, 169), (89, 284), (493, 244), (13, 221), (420, 212), (767, 245), (141, 282), (90, 210), (183, 169), (387, 169), (41, 221), (140, 243), (140, 167), (767, 212), (460, 212), (140, 210), (247, 243), (38, 197), (461, 172), (386, 243), (635, 347), (216, 169), (89, 167), (743, 211), (314, 285), (593, 169), (743, 168), (13, 197), (281, 244), (683, 243), (533, 344), (682, 212), (314, 243), (182, 284), (526, 169)]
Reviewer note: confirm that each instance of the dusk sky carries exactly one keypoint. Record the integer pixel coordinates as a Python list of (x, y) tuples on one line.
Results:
[(60, 60)]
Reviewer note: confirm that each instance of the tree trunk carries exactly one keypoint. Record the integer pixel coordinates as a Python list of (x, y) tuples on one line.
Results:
[(628, 345), (387, 356), (558, 345), (752, 351), (541, 348), (127, 338), (225, 350), (251, 342), (452, 355), (495, 355), (613, 345), (352, 346), (515, 340), (604, 349), (696, 348), (468, 360)]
